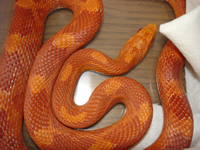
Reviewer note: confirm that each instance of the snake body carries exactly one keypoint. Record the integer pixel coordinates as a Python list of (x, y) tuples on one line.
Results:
[(44, 82), (22, 43), (178, 119)]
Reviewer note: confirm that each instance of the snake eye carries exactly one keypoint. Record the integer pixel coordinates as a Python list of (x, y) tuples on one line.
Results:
[(139, 30)]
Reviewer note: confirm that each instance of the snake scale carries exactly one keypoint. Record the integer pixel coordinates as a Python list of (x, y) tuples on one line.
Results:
[(38, 83)]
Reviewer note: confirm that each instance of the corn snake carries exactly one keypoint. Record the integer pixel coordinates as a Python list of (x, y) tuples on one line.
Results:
[(40, 86)]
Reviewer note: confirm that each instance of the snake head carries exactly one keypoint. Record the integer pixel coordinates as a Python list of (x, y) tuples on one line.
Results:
[(137, 46)]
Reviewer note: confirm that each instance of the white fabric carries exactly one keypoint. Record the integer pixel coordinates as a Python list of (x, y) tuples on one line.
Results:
[(184, 32)]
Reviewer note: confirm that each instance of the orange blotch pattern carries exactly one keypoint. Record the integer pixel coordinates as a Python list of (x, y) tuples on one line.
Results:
[(101, 145), (112, 86), (68, 117), (144, 112), (26, 3), (44, 136), (37, 83), (99, 57), (90, 5), (129, 56), (12, 43), (66, 73), (64, 40)]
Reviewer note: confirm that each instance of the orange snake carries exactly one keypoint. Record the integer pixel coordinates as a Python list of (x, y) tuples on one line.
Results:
[(35, 82)]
